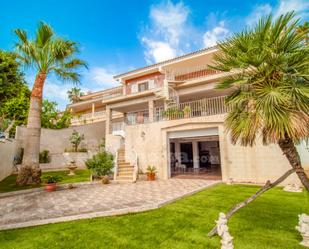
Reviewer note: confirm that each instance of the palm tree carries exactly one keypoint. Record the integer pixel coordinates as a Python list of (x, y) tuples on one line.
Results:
[(74, 94), (46, 54), (269, 79), (270, 82), (304, 30)]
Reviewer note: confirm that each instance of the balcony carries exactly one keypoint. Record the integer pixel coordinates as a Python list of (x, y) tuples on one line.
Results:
[(198, 108), (190, 73), (88, 118), (138, 117)]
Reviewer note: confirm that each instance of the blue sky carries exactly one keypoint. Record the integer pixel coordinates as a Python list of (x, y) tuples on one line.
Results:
[(116, 36)]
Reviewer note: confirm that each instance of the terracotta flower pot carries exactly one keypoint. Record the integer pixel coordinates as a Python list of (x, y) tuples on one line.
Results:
[(151, 176), (50, 187), (105, 180)]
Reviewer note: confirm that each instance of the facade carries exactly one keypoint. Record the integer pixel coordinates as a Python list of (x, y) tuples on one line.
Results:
[(169, 115)]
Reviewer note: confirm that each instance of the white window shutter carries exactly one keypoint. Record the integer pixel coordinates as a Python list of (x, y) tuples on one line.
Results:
[(134, 88), (151, 84)]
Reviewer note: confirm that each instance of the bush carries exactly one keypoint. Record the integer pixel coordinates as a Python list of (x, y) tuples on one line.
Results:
[(101, 164), (75, 139), (44, 157), (51, 179)]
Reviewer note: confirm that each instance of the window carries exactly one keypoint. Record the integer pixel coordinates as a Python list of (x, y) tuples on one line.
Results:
[(143, 86)]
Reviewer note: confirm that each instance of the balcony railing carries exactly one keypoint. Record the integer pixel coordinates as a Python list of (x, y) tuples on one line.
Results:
[(139, 117), (118, 126), (198, 108), (185, 74), (88, 118)]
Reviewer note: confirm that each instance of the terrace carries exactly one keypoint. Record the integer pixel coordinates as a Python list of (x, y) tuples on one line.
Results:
[(190, 109)]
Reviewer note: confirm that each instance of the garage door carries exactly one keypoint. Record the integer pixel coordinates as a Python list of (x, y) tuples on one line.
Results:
[(194, 133)]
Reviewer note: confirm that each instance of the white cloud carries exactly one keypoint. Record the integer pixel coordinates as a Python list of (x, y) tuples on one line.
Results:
[(56, 91), (100, 77), (301, 7), (213, 36), (167, 35), (258, 12), (96, 79), (170, 19), (158, 51)]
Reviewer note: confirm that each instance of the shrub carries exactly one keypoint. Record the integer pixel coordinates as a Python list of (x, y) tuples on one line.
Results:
[(75, 139), (151, 169), (51, 179), (44, 156), (101, 164)]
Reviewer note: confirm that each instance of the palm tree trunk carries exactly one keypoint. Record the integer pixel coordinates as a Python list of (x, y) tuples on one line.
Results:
[(30, 171), (289, 150)]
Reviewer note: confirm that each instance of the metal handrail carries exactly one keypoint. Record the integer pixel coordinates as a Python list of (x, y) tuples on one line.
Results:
[(116, 165), (135, 165)]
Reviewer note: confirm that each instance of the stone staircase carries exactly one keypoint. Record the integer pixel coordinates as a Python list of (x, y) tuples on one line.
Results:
[(124, 169)]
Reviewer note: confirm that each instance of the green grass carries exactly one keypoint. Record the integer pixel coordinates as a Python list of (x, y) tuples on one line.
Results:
[(9, 184), (267, 223)]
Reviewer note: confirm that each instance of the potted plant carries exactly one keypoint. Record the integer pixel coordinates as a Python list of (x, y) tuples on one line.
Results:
[(172, 113), (51, 182), (187, 111), (101, 165), (151, 173)]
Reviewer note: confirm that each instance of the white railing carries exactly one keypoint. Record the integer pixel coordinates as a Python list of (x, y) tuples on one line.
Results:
[(198, 108), (118, 126), (116, 165), (135, 165), (112, 95), (88, 117), (139, 117), (188, 73)]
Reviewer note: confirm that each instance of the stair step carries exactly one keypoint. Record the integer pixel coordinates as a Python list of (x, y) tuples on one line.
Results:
[(125, 176), (123, 164), (128, 178), (127, 169)]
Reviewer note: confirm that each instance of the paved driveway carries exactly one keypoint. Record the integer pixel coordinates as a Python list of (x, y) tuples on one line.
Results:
[(93, 201)]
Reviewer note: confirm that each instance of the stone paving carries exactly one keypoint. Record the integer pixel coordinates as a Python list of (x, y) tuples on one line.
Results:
[(95, 200)]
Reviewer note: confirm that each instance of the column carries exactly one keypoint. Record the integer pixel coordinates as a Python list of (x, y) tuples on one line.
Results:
[(151, 110), (108, 121), (93, 109), (196, 162), (178, 152)]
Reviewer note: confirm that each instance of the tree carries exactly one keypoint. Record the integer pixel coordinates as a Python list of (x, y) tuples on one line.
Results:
[(14, 93), (52, 118), (74, 94), (304, 30), (75, 139), (46, 54), (270, 89)]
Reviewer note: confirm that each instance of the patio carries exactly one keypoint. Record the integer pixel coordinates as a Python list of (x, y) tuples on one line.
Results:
[(91, 201)]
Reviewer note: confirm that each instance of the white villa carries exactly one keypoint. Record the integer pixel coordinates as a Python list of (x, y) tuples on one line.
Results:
[(169, 115)]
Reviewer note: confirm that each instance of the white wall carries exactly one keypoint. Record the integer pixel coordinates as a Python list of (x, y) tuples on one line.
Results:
[(56, 141), (7, 151)]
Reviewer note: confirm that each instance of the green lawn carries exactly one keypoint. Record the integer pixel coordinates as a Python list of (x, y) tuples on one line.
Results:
[(267, 223), (9, 184)]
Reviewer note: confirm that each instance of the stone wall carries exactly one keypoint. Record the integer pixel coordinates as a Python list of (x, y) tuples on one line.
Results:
[(7, 152), (56, 141)]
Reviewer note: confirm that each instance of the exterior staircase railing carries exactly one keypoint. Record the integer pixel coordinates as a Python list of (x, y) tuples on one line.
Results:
[(135, 165), (116, 165)]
